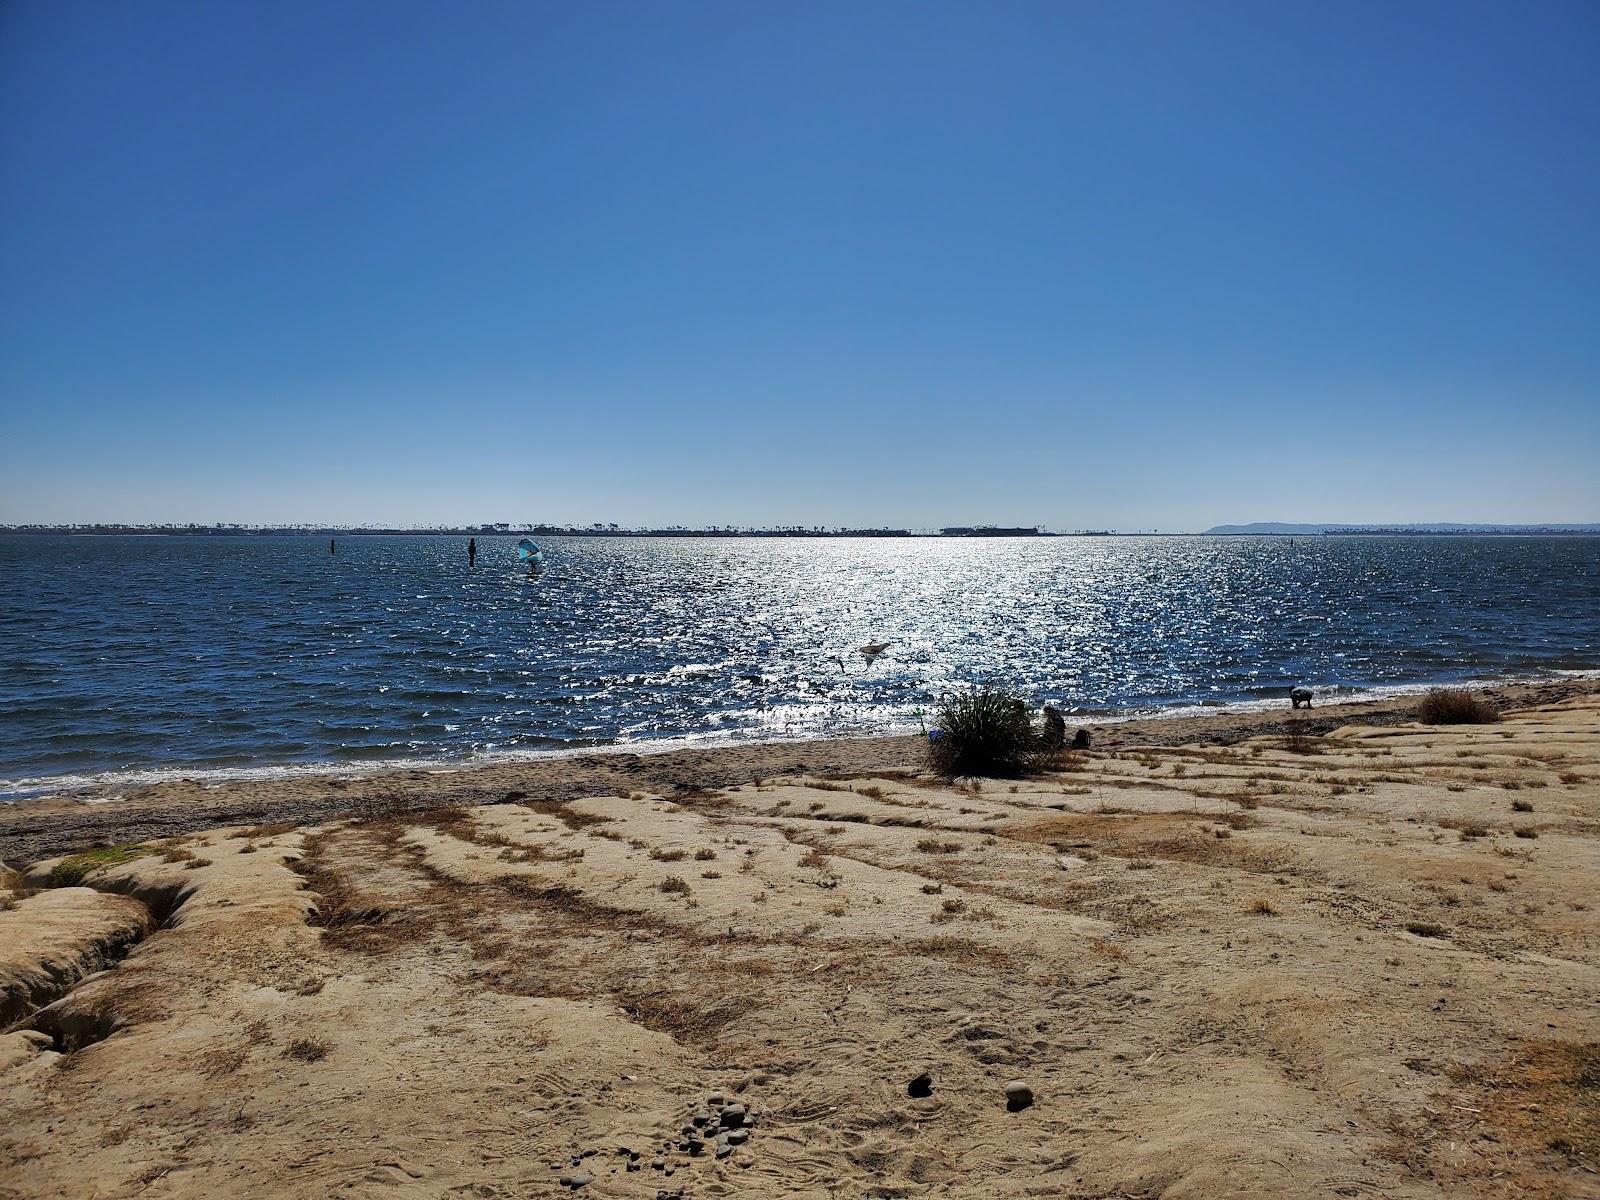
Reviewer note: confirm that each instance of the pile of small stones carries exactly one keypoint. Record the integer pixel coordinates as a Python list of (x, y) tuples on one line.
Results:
[(719, 1126)]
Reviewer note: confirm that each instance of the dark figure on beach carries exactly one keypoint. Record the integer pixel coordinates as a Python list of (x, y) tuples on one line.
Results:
[(472, 553), (330, 545), (1055, 728), (1299, 696), (1080, 740)]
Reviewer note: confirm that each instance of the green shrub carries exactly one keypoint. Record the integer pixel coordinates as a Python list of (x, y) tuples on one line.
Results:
[(1455, 706), (987, 732)]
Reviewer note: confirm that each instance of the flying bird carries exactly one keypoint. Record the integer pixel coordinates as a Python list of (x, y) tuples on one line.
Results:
[(872, 650)]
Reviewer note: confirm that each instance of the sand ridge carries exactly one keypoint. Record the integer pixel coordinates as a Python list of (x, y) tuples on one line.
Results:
[(1361, 963)]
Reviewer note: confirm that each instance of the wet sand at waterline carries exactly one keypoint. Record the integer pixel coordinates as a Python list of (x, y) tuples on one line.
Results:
[(1226, 960)]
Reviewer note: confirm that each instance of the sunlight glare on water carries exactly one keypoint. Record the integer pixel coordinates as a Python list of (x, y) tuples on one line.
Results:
[(228, 652)]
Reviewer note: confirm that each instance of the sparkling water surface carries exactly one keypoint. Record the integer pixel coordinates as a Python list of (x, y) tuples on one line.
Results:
[(128, 654)]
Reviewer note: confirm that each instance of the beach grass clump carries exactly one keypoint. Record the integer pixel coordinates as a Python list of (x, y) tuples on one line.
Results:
[(307, 1050), (1455, 706), (71, 872), (986, 732)]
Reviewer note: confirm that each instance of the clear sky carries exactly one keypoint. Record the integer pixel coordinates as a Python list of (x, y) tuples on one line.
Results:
[(1087, 264)]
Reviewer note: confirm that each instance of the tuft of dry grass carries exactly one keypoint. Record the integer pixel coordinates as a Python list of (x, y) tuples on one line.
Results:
[(1261, 906), (264, 831), (1521, 806), (1455, 706), (1299, 740), (307, 1050), (661, 855), (930, 845), (948, 911), (674, 883)]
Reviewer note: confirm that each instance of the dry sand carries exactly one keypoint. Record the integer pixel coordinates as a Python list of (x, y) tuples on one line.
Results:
[(1362, 964), (60, 824)]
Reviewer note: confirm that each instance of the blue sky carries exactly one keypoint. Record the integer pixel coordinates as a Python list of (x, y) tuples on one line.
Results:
[(1131, 265)]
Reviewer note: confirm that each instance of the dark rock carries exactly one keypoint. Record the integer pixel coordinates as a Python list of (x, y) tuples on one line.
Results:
[(1018, 1096), (733, 1115), (716, 1100), (701, 1117), (581, 1179), (921, 1087), (736, 1137)]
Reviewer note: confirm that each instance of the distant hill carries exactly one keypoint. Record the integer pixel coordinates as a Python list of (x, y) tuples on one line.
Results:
[(1285, 528)]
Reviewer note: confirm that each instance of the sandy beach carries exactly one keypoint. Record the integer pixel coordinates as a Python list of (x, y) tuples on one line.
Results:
[(1225, 958)]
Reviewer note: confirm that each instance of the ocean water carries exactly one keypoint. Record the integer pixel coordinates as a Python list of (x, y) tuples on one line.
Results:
[(124, 657)]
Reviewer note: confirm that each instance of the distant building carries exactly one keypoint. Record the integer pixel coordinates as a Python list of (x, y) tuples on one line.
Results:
[(990, 531)]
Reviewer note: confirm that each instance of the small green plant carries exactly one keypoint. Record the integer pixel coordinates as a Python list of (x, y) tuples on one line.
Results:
[(986, 732), (71, 872), (1455, 706)]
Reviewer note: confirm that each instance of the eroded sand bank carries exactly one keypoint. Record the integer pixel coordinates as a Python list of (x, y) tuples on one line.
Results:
[(1361, 964)]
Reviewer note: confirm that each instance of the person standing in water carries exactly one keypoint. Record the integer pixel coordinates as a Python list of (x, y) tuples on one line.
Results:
[(330, 545), (472, 553)]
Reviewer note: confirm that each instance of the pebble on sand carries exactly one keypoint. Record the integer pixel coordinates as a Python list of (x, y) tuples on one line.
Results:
[(1018, 1095), (921, 1086)]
